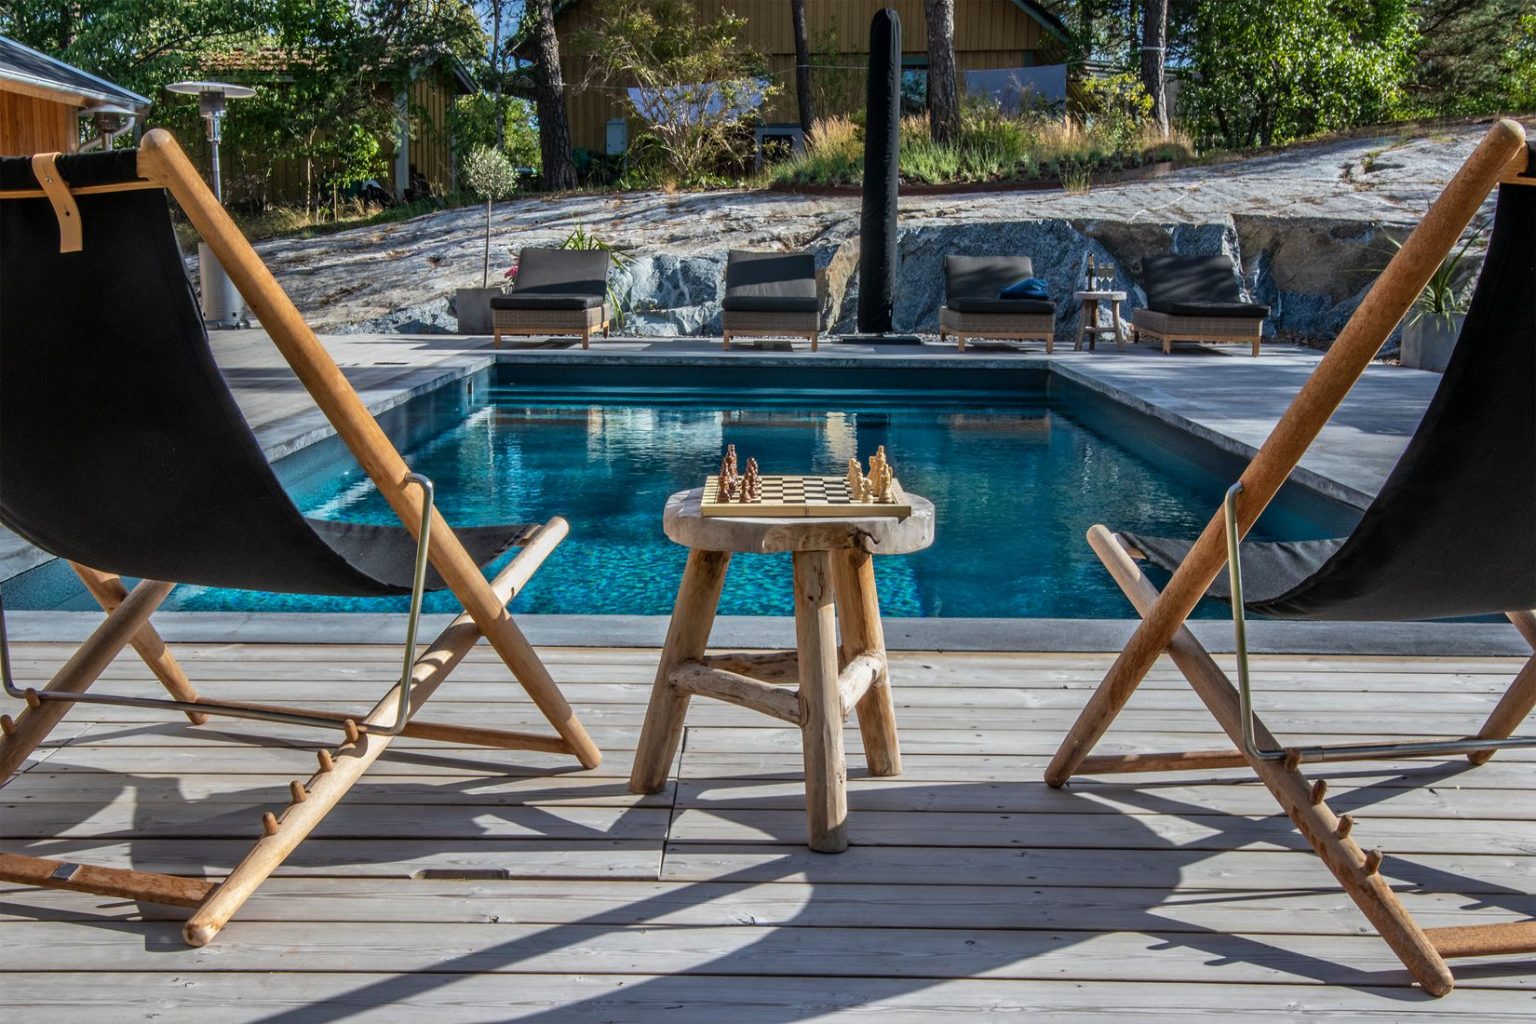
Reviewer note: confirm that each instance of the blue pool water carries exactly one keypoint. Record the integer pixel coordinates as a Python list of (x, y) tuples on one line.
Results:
[(1017, 473)]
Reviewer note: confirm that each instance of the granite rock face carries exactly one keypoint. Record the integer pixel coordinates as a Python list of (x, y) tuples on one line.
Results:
[(1305, 225)]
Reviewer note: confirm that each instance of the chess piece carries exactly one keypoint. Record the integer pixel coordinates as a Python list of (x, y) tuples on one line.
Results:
[(856, 483), (729, 480), (880, 477), (751, 484)]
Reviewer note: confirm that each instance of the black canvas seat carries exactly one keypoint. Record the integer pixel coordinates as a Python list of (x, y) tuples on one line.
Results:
[(114, 400), (1453, 530), (123, 451)]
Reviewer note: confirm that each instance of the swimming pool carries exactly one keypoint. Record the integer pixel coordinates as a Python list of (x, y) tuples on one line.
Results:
[(1018, 464)]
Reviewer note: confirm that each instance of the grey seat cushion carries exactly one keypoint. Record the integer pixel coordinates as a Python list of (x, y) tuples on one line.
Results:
[(770, 304), (1245, 309), (982, 277), (1196, 286), (770, 282), (983, 304), (545, 300), (561, 272)]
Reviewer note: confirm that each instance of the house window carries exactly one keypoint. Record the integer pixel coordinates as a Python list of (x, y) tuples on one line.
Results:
[(914, 84)]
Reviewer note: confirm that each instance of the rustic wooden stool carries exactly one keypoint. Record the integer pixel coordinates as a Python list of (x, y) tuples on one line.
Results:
[(833, 562), (1088, 318)]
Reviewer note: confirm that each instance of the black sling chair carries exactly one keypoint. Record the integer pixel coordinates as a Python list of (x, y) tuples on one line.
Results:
[(123, 451), (1452, 532)]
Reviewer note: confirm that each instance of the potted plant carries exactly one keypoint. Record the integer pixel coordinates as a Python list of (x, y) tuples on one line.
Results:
[(490, 175), (1431, 331)]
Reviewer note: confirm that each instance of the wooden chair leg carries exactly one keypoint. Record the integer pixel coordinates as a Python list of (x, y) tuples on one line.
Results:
[(1513, 708), (586, 338), (1256, 342), (858, 619), (959, 343), (1050, 343), (815, 336), (161, 160), (1328, 834), (496, 334), (109, 592), (693, 614), (83, 668), (821, 728), (725, 339)]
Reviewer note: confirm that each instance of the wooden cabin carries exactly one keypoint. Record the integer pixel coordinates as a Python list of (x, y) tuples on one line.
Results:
[(417, 156), (989, 35), (41, 99)]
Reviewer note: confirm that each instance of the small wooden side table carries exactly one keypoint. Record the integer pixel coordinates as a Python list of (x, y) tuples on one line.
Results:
[(1088, 319), (834, 580)]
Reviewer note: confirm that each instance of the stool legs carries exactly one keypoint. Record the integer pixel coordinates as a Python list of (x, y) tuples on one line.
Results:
[(826, 802), (692, 616), (858, 613)]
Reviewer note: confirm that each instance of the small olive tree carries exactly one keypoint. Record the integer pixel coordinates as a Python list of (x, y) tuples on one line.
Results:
[(488, 174)]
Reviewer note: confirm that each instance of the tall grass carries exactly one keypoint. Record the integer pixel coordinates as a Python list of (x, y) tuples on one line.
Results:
[(991, 146)]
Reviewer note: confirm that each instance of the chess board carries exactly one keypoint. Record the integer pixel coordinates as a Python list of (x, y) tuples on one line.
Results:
[(795, 497)]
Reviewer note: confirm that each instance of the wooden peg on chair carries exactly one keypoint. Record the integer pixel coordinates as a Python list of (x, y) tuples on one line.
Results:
[(296, 791), (1319, 791), (7, 725), (1372, 861), (1292, 760), (33, 700), (269, 824), (350, 728), (1346, 825), (324, 757)]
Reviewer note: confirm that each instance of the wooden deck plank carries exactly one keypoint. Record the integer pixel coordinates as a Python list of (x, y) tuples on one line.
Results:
[(431, 998), (465, 884)]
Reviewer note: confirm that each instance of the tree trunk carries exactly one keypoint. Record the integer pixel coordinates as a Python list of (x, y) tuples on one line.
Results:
[(554, 127), (802, 66), (497, 71), (943, 92), (1154, 41), (485, 271)]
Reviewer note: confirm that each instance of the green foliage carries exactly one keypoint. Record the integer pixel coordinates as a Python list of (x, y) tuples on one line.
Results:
[(473, 122), (581, 238), (1266, 72), (1477, 57), (661, 46), (489, 174)]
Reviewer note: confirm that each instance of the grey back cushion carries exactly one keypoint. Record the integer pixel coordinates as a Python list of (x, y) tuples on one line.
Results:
[(562, 271), (750, 275), (1173, 280), (983, 276)]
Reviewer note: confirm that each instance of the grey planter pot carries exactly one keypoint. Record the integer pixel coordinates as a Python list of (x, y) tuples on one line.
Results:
[(1428, 341), (473, 308)]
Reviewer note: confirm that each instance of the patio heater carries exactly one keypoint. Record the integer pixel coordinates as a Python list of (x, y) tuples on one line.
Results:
[(110, 121), (222, 305)]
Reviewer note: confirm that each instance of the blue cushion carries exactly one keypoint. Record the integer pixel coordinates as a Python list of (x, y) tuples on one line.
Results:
[(1028, 288)]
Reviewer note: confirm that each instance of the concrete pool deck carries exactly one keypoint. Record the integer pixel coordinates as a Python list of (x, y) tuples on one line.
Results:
[(1222, 395)]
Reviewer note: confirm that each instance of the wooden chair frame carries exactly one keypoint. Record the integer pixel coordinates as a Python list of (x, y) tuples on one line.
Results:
[(1500, 157), (162, 164)]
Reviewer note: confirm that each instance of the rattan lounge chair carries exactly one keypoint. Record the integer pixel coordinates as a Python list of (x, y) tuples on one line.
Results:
[(1452, 532), (771, 295), (1196, 298), (972, 308), (123, 451), (558, 292)]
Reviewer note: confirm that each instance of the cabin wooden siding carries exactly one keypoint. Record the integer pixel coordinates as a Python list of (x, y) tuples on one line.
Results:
[(988, 34), (31, 124)]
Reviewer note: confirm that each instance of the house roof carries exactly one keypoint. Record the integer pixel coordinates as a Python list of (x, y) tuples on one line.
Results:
[(1048, 21), (27, 71)]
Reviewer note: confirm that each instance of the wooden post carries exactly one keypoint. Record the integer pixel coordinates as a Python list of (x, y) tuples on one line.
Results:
[(1328, 834), (161, 160), (858, 610), (1389, 298), (108, 590), (79, 672), (821, 716), (693, 614)]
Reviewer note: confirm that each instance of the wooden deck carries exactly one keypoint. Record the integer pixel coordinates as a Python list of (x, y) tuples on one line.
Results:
[(460, 885)]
